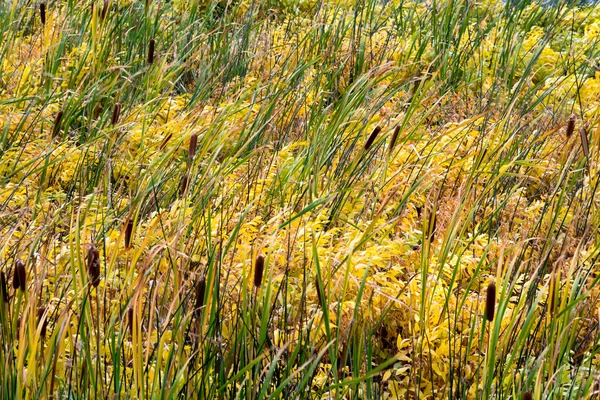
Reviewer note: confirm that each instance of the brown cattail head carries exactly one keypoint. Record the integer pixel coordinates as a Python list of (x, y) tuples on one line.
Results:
[(394, 138), (259, 268), (200, 290), (3, 287), (43, 320), (372, 137), (184, 183), (128, 231), (130, 319), (584, 142), (192, 148), (57, 120), (104, 9), (490, 302), (570, 125), (20, 276), (43, 13), (151, 51), (527, 396), (93, 265), (116, 113)]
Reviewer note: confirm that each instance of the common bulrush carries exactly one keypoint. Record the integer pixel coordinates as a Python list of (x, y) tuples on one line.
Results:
[(20, 276), (151, 51), (372, 137), (259, 268), (43, 13), (394, 138), (116, 113), (490, 302), (128, 232), (57, 120), (192, 147), (570, 126), (200, 290), (93, 265)]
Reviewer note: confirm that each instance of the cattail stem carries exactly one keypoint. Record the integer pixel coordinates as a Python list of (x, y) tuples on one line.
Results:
[(490, 302), (259, 268), (372, 137), (151, 51)]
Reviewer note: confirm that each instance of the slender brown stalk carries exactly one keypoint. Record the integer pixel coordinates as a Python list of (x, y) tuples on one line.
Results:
[(57, 121), (584, 142)]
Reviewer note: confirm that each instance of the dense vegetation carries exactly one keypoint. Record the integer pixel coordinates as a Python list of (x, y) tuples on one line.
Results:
[(340, 200)]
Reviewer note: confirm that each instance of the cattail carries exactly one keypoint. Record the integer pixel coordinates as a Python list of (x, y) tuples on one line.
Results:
[(130, 319), (192, 148), (200, 290), (184, 183), (584, 142), (44, 321), (319, 294), (104, 9), (93, 265), (3, 287), (394, 138), (490, 302), (570, 125), (128, 231), (259, 268), (116, 113), (43, 13), (57, 120), (527, 396), (372, 137), (151, 51), (20, 276)]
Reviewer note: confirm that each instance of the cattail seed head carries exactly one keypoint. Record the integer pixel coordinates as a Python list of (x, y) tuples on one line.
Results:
[(93, 265), (116, 113), (394, 138), (200, 290), (192, 148), (527, 396), (43, 13), (570, 125), (20, 276), (57, 120), (3, 287), (184, 183), (104, 9), (259, 268), (372, 137), (130, 319), (128, 232), (151, 51), (490, 302), (43, 320)]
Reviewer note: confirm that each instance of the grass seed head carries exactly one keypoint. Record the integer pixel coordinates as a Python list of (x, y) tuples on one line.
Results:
[(372, 137), (192, 148), (20, 276), (116, 113), (394, 138), (490, 302), (259, 268), (93, 265), (151, 51), (43, 13), (570, 126), (200, 290), (128, 232)]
